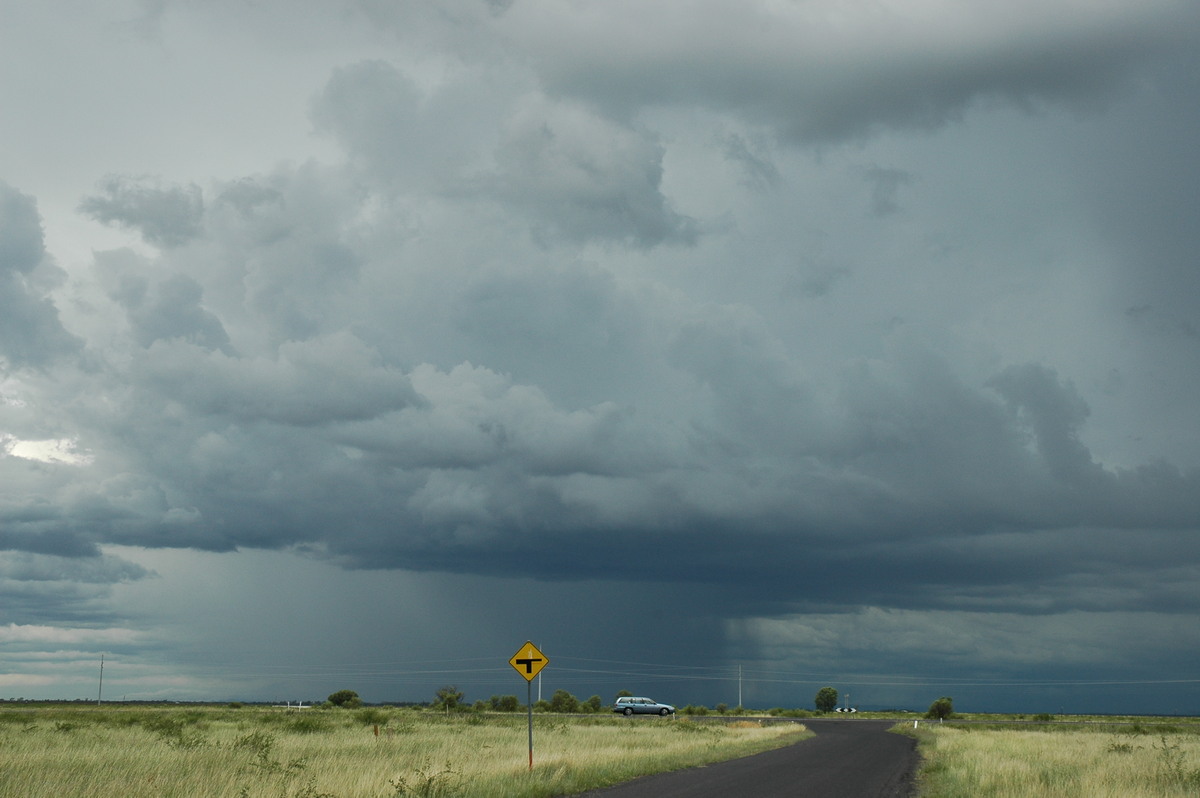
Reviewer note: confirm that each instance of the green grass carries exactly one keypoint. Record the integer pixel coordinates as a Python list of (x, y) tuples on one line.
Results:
[(211, 752), (1138, 759)]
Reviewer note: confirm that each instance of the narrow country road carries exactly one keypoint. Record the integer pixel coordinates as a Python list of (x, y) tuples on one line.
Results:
[(847, 759)]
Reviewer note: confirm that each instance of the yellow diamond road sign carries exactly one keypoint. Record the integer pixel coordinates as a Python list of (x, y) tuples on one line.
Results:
[(528, 661)]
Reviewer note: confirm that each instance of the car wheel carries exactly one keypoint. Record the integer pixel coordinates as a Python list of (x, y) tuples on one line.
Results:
[(664, 712), (628, 711)]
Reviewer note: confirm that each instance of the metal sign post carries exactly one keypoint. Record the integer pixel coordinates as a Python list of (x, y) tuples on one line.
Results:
[(528, 662)]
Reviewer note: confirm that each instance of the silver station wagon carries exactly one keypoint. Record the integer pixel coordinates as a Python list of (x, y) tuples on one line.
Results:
[(629, 705)]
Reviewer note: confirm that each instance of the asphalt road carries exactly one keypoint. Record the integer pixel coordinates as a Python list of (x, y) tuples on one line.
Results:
[(847, 759)]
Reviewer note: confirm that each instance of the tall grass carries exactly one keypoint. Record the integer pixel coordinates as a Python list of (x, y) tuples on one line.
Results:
[(1082, 762), (376, 753)]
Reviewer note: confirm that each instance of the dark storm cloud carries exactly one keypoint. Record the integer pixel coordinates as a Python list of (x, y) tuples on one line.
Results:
[(21, 246), (322, 381), (174, 311), (824, 72), (165, 216), (42, 588), (321, 442), (31, 333), (571, 307)]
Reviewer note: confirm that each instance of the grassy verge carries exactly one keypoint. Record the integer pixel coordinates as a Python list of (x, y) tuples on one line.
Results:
[(372, 753), (1086, 761)]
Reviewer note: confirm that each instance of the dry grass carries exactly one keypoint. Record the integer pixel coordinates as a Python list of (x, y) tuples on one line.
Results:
[(1084, 762), (260, 753)]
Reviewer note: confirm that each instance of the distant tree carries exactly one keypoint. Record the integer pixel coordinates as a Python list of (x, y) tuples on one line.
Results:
[(541, 705), (447, 698), (622, 694), (941, 709), (722, 708), (826, 699), (345, 698), (505, 703), (562, 701), (594, 703)]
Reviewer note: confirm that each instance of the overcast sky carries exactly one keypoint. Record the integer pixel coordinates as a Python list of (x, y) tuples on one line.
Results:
[(350, 344)]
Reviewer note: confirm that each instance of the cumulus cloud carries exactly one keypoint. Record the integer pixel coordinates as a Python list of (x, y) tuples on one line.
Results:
[(166, 216), (31, 332), (584, 177), (787, 319), (578, 175)]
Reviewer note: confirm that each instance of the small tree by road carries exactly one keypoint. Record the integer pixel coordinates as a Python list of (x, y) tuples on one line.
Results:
[(941, 709), (826, 699)]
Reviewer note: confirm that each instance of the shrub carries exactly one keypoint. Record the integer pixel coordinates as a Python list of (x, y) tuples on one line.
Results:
[(372, 716), (941, 709), (447, 698), (347, 699), (307, 724), (826, 699), (505, 703), (562, 701), (425, 781), (259, 743)]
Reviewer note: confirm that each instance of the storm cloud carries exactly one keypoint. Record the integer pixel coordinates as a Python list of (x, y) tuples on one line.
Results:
[(853, 338)]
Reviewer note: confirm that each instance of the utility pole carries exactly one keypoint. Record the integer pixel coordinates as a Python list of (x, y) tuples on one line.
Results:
[(100, 692), (739, 685)]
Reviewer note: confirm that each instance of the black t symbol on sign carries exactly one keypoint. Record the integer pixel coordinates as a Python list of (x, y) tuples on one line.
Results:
[(528, 663)]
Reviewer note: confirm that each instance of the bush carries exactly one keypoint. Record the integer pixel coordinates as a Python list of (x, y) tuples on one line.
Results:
[(305, 723), (372, 716), (347, 699), (826, 699), (505, 703), (562, 701), (447, 698), (941, 709)]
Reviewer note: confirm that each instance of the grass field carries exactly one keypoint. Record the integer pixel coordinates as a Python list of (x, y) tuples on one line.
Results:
[(254, 752), (1146, 759)]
